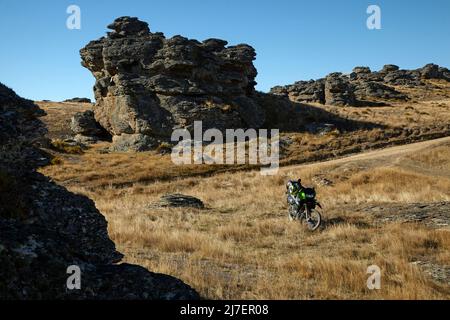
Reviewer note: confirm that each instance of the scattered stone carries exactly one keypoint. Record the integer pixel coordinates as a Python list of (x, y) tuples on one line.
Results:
[(433, 215), (179, 200), (322, 181), (82, 140), (437, 272), (321, 128)]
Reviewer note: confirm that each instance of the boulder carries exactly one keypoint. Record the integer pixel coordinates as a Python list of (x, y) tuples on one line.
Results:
[(86, 129), (360, 73), (321, 128), (362, 70), (179, 200), (84, 123), (389, 68), (133, 142)]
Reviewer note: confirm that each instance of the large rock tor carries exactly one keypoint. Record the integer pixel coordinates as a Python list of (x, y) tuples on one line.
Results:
[(149, 85)]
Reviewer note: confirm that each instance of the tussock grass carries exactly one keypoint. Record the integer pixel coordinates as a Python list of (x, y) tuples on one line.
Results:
[(242, 245)]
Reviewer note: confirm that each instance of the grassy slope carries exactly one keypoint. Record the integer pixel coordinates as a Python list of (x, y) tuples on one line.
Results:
[(242, 245)]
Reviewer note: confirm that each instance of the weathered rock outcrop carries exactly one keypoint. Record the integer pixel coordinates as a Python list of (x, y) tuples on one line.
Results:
[(78, 100), (362, 86), (179, 200), (44, 228), (148, 85)]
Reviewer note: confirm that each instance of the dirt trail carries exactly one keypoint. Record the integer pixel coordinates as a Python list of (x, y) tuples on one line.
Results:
[(375, 154)]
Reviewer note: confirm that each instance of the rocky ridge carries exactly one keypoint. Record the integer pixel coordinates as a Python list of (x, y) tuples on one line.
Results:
[(362, 86)]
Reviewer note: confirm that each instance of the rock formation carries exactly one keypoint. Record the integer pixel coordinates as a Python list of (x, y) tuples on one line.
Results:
[(84, 123), (179, 200), (79, 100), (362, 86), (148, 85), (44, 228)]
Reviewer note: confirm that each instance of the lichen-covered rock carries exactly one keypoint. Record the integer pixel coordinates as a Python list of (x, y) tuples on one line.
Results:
[(44, 228), (149, 85)]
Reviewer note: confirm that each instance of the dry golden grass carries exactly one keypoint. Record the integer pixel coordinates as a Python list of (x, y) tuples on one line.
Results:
[(242, 246), (59, 115), (61, 146), (96, 170), (426, 116)]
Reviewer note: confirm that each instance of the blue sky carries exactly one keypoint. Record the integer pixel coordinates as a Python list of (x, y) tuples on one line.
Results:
[(294, 39)]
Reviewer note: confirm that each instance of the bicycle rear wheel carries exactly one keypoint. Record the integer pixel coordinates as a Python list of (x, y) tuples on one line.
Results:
[(315, 219)]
